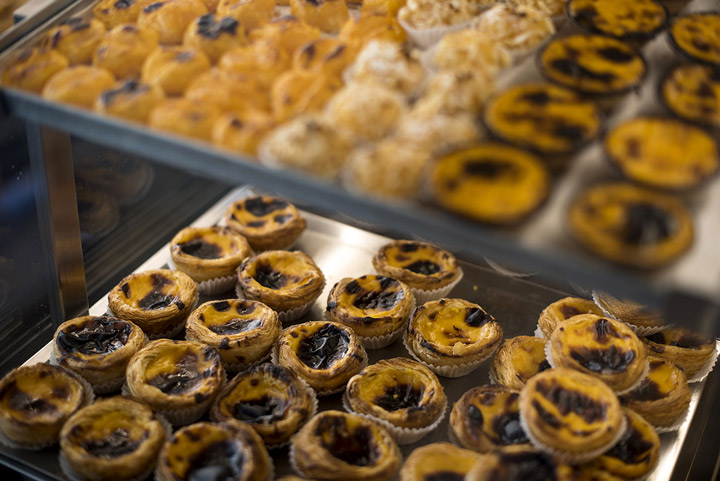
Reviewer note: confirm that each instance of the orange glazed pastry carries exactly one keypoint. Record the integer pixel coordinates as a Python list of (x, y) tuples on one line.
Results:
[(261, 60), (250, 13), (116, 12), (215, 36), (327, 15), (325, 55), (79, 86), (228, 92), (359, 31), (172, 68), (76, 38), (286, 33), (124, 50), (297, 92), (171, 18), (32, 68), (185, 117), (242, 133), (130, 100)]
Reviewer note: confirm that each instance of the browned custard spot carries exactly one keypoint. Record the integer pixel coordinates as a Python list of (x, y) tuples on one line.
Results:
[(400, 396), (524, 466), (268, 277), (324, 347), (219, 460), (569, 400), (632, 448), (118, 443), (182, 379), (354, 446), (95, 336)]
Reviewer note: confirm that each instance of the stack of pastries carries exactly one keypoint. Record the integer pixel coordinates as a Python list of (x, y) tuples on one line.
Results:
[(192, 391)]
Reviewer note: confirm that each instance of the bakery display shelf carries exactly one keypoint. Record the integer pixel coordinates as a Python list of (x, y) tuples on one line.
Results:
[(341, 251), (689, 285), (28, 17)]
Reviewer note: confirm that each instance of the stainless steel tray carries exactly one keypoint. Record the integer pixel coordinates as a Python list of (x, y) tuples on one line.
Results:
[(541, 244), (343, 251)]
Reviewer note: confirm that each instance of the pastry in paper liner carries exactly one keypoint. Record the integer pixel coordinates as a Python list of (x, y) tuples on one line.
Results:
[(438, 461), (456, 371), (641, 319)]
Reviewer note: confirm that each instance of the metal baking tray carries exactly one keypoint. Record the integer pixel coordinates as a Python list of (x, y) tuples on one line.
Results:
[(539, 245), (344, 251)]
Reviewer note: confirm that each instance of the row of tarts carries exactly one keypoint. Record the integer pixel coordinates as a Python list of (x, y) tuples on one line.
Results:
[(581, 401)]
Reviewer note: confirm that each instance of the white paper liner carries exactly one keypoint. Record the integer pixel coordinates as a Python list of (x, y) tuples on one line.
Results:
[(538, 333), (293, 461), (211, 287), (573, 458), (646, 369), (422, 296), (169, 334), (638, 330), (707, 369), (425, 38), (98, 388), (289, 315), (401, 435), (458, 370), (674, 426)]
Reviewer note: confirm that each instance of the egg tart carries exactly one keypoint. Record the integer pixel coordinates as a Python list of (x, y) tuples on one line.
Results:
[(630, 225), (375, 307), (270, 398), (268, 223), (327, 15), (563, 310), (76, 38), (337, 445), (486, 418), (601, 347), (206, 253), (189, 118), (124, 49), (214, 451), (324, 354), (628, 21), (431, 272), (489, 182), (79, 86), (173, 68), (438, 461), (637, 451), (35, 402), (571, 415), (130, 100), (522, 463), (696, 36), (592, 64), (214, 35), (544, 118), (517, 360), (663, 396), (114, 439), (115, 12), (157, 301), (178, 379), (692, 93), (98, 348), (401, 394), (662, 153), (287, 281), (242, 331), (687, 350), (641, 319), (452, 336), (32, 68), (170, 18)]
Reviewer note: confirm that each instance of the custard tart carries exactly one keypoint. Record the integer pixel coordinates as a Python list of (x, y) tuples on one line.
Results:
[(272, 399), (486, 418), (375, 307), (243, 331), (268, 223), (692, 93), (452, 336), (641, 319), (438, 462), (563, 310), (324, 354), (629, 21), (401, 394), (206, 253), (288, 282), (689, 351), (158, 301), (98, 348), (663, 396), (637, 452), (601, 347), (522, 463), (214, 451), (431, 272), (178, 379), (490, 182), (571, 415), (114, 439), (337, 445), (630, 225), (517, 360), (35, 402), (543, 118), (696, 36)]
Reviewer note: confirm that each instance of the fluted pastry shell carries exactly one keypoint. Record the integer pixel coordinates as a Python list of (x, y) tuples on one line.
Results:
[(116, 438), (399, 391), (438, 461), (324, 354), (206, 253), (372, 305), (169, 296), (519, 463), (517, 360), (36, 400), (601, 347), (97, 348), (486, 418), (417, 264), (686, 349), (268, 223), (170, 375), (337, 445), (629, 312), (563, 310), (272, 399), (282, 280), (570, 414)]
